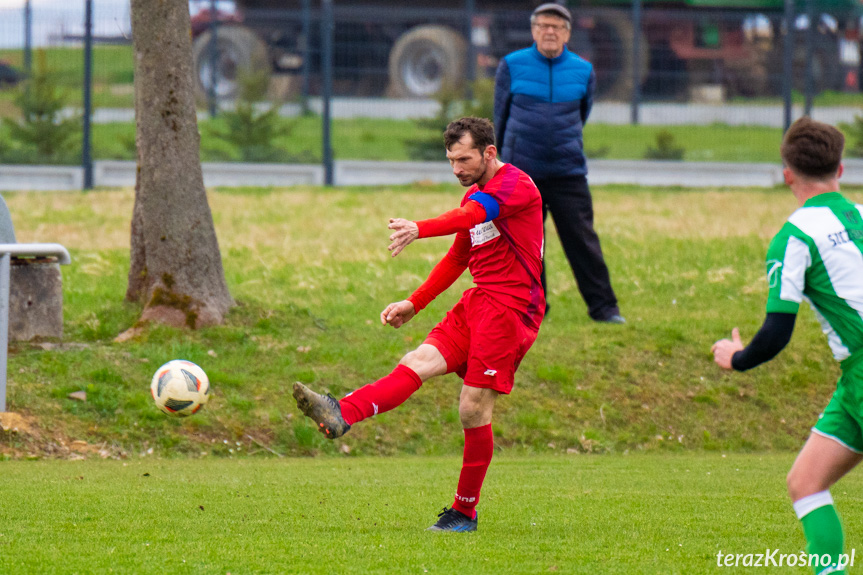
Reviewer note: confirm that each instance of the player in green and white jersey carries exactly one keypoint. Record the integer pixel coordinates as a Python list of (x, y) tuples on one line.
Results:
[(817, 256)]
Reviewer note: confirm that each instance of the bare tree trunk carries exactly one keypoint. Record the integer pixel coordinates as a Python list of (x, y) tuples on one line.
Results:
[(137, 288), (176, 266)]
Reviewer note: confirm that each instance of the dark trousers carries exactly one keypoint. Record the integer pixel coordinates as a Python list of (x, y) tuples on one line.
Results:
[(568, 199)]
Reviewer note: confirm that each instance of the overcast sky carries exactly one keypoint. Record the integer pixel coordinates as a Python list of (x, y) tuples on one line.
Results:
[(53, 18)]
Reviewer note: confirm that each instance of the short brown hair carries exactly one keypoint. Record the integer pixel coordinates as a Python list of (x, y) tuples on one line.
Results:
[(812, 148), (481, 132)]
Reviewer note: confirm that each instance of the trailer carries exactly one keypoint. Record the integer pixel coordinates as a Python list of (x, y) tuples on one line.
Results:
[(410, 49)]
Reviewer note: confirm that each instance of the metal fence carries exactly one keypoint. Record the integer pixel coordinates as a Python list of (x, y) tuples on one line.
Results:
[(359, 76)]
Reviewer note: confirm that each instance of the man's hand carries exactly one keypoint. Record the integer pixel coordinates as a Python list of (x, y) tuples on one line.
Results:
[(724, 349), (404, 232), (397, 314)]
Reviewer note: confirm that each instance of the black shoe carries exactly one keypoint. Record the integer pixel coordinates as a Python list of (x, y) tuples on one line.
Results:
[(323, 410), (453, 520), (616, 318)]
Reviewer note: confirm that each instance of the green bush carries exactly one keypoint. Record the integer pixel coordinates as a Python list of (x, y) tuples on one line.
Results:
[(42, 135), (854, 133), (248, 133), (666, 148)]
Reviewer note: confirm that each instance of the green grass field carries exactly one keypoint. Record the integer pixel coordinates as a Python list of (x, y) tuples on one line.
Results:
[(635, 514), (622, 449), (376, 139), (310, 272), (113, 73)]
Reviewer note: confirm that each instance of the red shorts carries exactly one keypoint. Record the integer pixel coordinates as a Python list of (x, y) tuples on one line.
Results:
[(483, 341)]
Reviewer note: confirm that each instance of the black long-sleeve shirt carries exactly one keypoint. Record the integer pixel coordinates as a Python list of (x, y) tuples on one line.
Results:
[(774, 335)]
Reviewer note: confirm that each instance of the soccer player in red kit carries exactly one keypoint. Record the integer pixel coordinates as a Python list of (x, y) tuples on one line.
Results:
[(498, 236)]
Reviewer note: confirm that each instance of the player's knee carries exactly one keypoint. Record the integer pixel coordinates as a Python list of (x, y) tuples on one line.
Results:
[(470, 416), (800, 485), (472, 413)]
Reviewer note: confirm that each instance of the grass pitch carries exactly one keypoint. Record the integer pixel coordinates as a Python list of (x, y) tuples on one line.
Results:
[(650, 514), (310, 272)]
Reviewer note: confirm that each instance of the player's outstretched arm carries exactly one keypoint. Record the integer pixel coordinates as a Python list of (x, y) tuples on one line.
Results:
[(454, 221), (397, 314)]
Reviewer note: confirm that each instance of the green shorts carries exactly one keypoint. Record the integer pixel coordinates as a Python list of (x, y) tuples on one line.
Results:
[(842, 419)]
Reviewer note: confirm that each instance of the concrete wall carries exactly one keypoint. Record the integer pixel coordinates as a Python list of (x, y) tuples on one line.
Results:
[(364, 173)]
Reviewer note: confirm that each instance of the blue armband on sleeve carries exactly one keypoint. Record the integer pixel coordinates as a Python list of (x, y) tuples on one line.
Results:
[(492, 208)]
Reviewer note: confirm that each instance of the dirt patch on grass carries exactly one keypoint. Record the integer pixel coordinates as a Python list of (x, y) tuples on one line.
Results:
[(17, 423), (21, 437)]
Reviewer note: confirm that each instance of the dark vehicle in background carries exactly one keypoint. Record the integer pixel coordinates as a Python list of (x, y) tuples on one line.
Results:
[(413, 49), (9, 76)]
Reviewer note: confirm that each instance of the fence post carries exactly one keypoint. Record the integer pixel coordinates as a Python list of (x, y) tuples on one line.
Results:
[(787, 63), (327, 26), (86, 156), (469, 10), (28, 47), (306, 47), (810, 48), (28, 39), (636, 72), (213, 54)]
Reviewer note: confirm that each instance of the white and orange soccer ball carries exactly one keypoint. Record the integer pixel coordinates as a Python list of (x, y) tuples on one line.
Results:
[(180, 388)]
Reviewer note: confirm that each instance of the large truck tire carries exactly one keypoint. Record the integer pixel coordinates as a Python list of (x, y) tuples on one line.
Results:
[(612, 39), (237, 49), (426, 59)]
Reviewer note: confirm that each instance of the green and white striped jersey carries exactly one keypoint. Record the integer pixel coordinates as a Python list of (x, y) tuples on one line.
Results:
[(817, 256)]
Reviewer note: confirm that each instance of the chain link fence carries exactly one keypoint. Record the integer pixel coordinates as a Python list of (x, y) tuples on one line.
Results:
[(373, 80)]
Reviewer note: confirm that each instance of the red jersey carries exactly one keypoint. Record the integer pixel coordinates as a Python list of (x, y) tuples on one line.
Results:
[(505, 252)]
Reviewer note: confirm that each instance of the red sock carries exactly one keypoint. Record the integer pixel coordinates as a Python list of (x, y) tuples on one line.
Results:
[(478, 449), (381, 396)]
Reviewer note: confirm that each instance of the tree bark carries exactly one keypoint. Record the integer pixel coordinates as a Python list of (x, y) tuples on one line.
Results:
[(176, 267)]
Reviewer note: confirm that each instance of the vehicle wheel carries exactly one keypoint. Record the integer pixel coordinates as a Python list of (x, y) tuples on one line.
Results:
[(9, 76), (425, 59), (237, 48), (612, 39)]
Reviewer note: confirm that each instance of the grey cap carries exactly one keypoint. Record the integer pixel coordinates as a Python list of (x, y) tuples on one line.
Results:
[(553, 9)]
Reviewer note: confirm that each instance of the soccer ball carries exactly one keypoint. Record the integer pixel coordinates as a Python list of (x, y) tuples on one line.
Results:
[(180, 388)]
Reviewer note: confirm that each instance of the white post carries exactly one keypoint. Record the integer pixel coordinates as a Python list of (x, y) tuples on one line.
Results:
[(5, 260), (6, 253)]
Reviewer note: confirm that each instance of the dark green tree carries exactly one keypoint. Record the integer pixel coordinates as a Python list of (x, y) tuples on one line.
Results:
[(251, 128), (43, 134)]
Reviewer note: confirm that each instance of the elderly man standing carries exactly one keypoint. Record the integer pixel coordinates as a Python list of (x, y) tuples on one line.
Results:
[(543, 95)]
